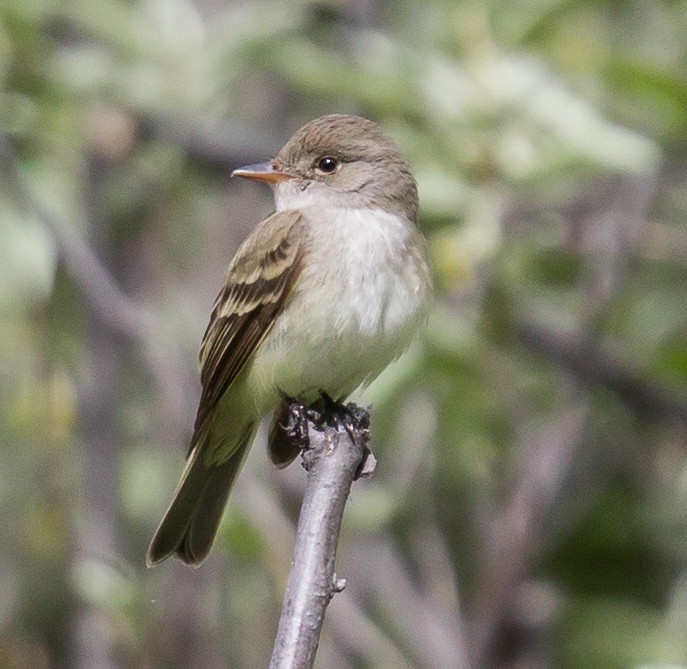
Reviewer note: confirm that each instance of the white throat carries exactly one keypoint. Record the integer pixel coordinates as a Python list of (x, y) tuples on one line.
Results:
[(289, 195)]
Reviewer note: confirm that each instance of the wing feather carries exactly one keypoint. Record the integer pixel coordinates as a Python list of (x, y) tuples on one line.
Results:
[(259, 282)]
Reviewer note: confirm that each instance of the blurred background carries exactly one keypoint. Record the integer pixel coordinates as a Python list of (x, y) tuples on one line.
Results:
[(529, 508)]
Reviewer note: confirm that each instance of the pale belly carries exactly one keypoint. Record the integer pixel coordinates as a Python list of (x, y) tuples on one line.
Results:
[(351, 316), (334, 350)]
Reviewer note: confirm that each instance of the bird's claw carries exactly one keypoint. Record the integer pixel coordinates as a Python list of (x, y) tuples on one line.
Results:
[(296, 428), (356, 421), (349, 416), (353, 419)]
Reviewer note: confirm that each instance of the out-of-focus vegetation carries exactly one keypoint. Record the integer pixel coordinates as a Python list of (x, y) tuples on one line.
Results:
[(530, 505)]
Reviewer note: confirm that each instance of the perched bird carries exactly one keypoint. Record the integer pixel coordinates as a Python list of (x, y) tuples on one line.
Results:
[(321, 297)]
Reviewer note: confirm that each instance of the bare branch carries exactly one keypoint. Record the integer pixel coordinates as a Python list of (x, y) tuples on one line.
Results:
[(350, 625), (332, 461)]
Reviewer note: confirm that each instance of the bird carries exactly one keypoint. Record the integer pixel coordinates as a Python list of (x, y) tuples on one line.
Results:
[(317, 301)]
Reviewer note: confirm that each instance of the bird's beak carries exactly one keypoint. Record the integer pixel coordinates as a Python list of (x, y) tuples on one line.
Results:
[(262, 172)]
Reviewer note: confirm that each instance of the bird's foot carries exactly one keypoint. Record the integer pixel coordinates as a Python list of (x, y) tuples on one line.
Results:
[(327, 413), (356, 421), (296, 427), (349, 416)]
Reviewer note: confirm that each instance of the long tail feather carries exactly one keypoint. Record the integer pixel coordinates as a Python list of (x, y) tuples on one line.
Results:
[(192, 520)]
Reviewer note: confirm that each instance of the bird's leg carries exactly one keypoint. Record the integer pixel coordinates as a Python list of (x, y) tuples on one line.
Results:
[(296, 427)]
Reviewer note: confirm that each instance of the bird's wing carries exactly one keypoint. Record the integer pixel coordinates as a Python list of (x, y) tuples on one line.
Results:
[(259, 281)]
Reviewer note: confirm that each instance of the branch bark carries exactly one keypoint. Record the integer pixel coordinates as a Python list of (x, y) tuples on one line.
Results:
[(333, 460)]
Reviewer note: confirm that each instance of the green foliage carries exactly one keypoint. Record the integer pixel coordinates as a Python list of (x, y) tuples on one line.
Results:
[(529, 506)]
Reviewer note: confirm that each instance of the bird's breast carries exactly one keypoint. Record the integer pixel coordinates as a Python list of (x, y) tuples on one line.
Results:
[(356, 306)]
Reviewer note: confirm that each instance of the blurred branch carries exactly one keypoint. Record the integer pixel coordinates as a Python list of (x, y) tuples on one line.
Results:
[(590, 364), (332, 460), (361, 636), (101, 291), (434, 636), (112, 313), (541, 464), (608, 226), (612, 231), (100, 442), (225, 145)]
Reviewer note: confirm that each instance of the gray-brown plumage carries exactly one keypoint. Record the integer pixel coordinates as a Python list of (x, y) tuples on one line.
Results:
[(257, 286), (320, 297)]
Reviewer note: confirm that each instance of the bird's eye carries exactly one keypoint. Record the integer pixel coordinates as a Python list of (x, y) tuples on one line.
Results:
[(327, 165)]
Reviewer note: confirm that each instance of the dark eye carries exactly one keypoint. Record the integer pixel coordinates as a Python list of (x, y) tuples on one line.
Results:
[(327, 164)]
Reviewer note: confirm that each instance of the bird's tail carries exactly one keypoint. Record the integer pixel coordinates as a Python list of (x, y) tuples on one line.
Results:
[(190, 525)]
